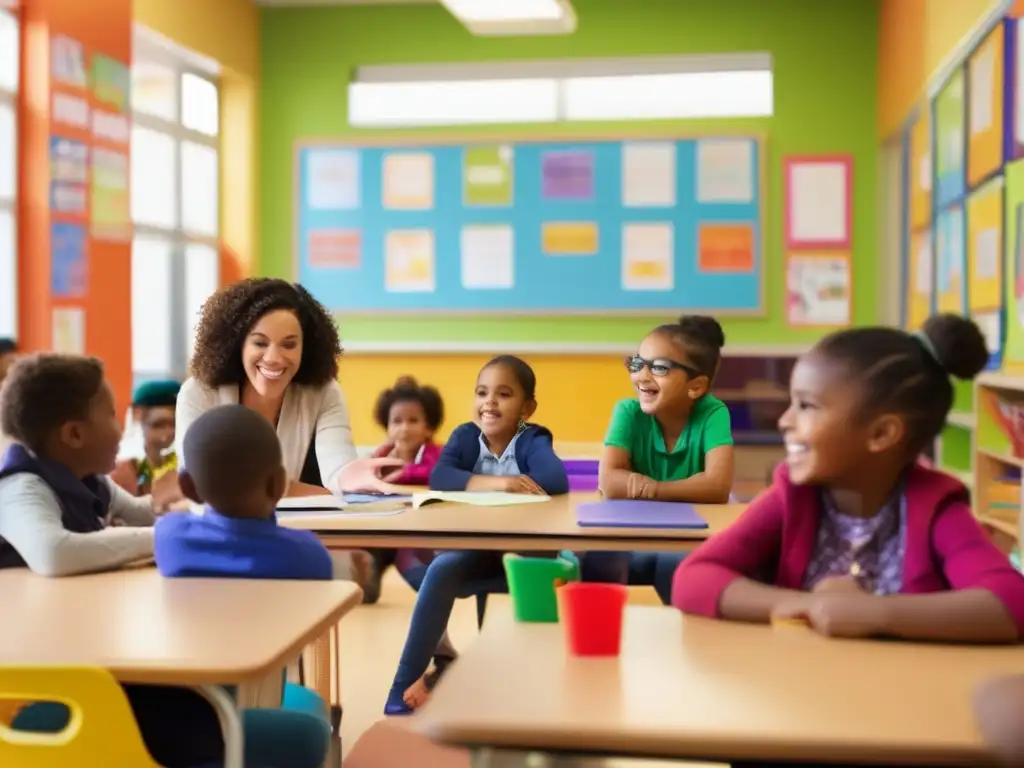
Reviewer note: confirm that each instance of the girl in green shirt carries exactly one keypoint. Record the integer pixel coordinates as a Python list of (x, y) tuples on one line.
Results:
[(672, 442)]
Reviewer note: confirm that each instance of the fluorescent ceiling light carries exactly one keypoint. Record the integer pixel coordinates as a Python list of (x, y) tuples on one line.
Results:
[(415, 104), (514, 17), (679, 96)]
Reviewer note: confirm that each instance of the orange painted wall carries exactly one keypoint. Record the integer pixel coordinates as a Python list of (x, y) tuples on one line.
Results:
[(916, 38), (102, 26)]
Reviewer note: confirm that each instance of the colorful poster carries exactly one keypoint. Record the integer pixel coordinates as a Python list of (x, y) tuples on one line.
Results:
[(332, 180), (648, 257), (68, 330), (408, 181), (649, 174), (725, 247), (487, 175), (110, 214), (985, 248), (69, 160), (67, 62), (409, 261), (69, 265), (725, 171), (819, 289), (488, 257), (110, 82), (567, 175), (986, 73), (1013, 291), (950, 260), (569, 238), (950, 147), (921, 279), (335, 248), (921, 171)]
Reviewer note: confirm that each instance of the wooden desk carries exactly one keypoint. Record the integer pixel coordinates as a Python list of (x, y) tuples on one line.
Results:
[(196, 633), (546, 526), (701, 689)]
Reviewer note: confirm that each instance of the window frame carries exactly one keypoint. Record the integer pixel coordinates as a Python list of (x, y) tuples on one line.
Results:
[(9, 205)]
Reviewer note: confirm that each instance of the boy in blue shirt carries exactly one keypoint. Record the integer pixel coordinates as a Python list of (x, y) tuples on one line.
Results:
[(232, 464)]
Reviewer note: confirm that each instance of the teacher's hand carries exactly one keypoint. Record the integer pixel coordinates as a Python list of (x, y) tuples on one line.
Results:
[(364, 475)]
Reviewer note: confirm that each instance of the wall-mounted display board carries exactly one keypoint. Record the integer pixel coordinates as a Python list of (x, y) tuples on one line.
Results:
[(644, 226)]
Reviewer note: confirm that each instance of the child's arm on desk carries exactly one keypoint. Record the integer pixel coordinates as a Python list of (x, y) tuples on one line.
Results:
[(712, 486)]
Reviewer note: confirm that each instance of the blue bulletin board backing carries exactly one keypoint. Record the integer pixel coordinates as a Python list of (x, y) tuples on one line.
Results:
[(639, 226)]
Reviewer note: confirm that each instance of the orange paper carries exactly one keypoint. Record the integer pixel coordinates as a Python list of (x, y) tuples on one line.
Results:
[(335, 248), (725, 247)]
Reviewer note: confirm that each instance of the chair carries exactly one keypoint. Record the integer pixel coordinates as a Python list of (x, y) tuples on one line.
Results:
[(102, 731)]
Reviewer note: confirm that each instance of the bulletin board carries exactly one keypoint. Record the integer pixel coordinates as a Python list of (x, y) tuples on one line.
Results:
[(643, 225)]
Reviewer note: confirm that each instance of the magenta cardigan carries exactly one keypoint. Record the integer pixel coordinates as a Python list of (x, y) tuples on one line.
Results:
[(415, 473), (773, 542)]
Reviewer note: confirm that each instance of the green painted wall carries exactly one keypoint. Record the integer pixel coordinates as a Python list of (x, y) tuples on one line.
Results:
[(825, 59)]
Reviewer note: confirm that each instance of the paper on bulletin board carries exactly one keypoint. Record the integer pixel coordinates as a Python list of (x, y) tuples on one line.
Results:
[(487, 175), (68, 330), (921, 171), (648, 257), (1013, 292), (110, 209), (567, 175), (488, 257), (1018, 90), (986, 72), (921, 282), (408, 181), (569, 238), (950, 148), (819, 289), (725, 171), (67, 62), (409, 261), (69, 262), (648, 174), (991, 327), (818, 204), (332, 180), (985, 248), (950, 258), (335, 248), (725, 247)]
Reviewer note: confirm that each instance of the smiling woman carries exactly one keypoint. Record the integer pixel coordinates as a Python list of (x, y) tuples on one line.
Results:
[(269, 345)]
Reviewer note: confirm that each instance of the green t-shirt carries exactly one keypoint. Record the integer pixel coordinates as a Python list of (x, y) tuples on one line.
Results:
[(637, 432)]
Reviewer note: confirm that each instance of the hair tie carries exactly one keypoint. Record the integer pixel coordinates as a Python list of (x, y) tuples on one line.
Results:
[(924, 341)]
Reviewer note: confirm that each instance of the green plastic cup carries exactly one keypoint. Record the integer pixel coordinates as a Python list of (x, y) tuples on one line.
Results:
[(532, 582)]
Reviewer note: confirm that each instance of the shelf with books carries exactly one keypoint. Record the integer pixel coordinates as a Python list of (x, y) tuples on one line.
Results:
[(998, 449)]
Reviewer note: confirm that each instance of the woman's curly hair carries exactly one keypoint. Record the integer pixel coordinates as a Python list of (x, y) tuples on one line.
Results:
[(229, 315)]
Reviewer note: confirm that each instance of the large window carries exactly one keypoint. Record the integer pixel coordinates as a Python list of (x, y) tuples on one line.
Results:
[(9, 51), (175, 194)]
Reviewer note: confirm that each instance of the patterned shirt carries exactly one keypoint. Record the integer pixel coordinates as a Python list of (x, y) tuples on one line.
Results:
[(870, 549), (489, 464)]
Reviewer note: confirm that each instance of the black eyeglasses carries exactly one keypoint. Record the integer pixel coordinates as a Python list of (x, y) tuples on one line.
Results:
[(660, 366)]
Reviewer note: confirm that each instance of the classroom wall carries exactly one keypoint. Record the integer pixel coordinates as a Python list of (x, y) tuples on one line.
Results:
[(916, 38), (825, 102), (226, 31)]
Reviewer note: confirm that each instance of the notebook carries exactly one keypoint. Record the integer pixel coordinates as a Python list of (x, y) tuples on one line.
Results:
[(628, 513), (476, 498), (388, 504)]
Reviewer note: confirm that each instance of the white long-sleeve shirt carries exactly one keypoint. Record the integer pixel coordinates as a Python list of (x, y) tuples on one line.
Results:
[(30, 521)]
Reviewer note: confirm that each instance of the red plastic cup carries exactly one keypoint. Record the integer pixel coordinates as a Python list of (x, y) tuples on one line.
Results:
[(592, 615)]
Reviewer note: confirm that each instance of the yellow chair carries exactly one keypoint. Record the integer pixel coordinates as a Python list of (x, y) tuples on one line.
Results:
[(102, 731)]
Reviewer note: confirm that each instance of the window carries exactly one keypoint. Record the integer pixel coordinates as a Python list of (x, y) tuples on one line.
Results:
[(679, 87), (9, 53), (175, 201)]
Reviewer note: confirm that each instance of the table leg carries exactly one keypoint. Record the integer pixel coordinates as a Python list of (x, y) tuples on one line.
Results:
[(230, 724)]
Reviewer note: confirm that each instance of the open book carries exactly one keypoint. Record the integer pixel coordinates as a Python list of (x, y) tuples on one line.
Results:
[(387, 504)]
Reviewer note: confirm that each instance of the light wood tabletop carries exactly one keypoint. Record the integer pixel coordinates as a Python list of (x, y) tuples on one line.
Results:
[(547, 525), (147, 629), (695, 688)]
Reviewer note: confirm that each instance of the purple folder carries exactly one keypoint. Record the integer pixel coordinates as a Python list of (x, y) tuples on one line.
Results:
[(638, 514)]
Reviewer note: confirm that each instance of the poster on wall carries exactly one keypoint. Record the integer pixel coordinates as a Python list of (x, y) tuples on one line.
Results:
[(950, 260), (950, 149), (819, 202), (110, 214), (819, 289)]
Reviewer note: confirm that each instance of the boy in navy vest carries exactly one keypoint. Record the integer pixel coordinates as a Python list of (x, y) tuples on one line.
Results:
[(55, 501), (234, 467)]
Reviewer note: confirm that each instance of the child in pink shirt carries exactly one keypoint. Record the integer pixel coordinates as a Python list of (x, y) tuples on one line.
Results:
[(855, 537)]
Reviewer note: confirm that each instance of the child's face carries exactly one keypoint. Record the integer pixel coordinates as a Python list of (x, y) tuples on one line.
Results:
[(673, 385), (829, 438), (500, 402), (272, 352), (407, 425), (94, 443), (157, 427)]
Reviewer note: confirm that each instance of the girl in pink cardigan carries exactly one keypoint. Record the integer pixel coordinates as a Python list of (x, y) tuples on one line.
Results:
[(854, 537)]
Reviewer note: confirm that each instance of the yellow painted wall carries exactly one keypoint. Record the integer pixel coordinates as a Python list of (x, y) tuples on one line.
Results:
[(227, 31), (916, 38)]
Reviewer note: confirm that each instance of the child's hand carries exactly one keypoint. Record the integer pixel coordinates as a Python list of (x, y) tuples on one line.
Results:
[(522, 484), (837, 584), (841, 613), (640, 486)]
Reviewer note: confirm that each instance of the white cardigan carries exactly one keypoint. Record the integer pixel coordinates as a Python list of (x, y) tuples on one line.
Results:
[(306, 411)]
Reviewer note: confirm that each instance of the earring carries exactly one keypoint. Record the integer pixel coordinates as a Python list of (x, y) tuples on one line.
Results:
[(520, 426)]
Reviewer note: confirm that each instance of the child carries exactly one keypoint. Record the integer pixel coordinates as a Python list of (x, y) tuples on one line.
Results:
[(672, 442), (156, 470), (854, 536), (410, 414), (55, 501), (498, 451)]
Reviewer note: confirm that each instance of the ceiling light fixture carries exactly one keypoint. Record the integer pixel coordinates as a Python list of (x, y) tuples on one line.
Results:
[(514, 17)]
